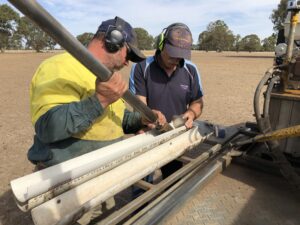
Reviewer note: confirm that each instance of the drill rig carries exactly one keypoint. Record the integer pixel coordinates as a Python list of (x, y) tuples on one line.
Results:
[(281, 105)]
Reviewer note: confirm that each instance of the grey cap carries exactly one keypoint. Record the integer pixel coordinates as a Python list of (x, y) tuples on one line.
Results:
[(178, 42)]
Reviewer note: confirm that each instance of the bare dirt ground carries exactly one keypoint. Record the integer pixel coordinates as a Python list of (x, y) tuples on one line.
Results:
[(229, 81)]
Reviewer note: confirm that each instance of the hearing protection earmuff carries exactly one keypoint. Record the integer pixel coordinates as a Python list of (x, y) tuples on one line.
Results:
[(162, 37), (114, 37)]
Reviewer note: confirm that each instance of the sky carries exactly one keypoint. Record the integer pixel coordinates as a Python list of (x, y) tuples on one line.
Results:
[(243, 17)]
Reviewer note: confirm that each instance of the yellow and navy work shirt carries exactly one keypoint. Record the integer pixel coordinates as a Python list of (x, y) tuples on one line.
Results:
[(62, 79), (68, 118)]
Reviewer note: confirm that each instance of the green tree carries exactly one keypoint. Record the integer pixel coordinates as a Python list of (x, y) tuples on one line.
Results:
[(278, 15), (237, 43), (250, 43), (217, 37), (145, 40), (268, 44), (155, 44), (9, 20), (15, 42), (34, 37), (195, 47), (204, 41), (85, 38), (50, 43)]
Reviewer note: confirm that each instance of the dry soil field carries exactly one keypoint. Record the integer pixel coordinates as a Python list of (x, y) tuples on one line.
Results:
[(229, 81)]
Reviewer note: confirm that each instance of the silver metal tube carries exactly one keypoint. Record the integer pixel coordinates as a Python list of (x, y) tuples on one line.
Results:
[(53, 28)]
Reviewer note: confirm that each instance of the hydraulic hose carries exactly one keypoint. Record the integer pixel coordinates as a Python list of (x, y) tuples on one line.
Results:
[(257, 94), (268, 96), (264, 125)]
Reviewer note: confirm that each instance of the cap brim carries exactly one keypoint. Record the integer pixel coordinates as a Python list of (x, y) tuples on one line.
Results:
[(177, 52), (135, 54)]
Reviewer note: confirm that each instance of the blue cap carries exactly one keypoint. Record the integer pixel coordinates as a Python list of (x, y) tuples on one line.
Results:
[(129, 35)]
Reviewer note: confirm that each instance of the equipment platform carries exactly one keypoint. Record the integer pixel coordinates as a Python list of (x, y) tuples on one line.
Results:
[(239, 196)]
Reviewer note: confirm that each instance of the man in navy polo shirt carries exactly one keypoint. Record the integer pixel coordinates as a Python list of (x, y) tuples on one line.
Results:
[(168, 81)]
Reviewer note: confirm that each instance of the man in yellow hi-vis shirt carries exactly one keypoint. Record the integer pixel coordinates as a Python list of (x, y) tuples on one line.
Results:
[(72, 112)]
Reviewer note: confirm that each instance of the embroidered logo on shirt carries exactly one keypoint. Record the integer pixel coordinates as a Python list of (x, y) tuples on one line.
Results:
[(184, 87)]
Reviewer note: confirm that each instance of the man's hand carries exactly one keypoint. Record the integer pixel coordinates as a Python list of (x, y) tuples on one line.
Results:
[(161, 120), (111, 90), (189, 115), (193, 112)]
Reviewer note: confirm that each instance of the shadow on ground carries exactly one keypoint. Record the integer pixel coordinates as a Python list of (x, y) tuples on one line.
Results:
[(272, 202), (239, 196), (10, 214)]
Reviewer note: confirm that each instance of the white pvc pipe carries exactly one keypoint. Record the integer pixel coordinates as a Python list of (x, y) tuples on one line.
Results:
[(99, 161), (91, 193)]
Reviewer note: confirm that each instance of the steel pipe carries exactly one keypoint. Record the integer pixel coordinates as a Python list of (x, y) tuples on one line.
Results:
[(53, 28)]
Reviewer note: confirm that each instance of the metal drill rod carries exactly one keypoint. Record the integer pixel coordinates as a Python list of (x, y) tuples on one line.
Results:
[(51, 26)]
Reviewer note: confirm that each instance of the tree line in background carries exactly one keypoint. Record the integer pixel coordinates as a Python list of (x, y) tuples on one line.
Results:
[(18, 32), (218, 37)]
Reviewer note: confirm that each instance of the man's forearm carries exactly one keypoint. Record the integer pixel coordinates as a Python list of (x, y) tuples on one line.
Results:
[(196, 108), (65, 120)]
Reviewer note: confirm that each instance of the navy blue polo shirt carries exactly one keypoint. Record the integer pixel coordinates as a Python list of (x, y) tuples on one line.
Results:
[(170, 95)]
